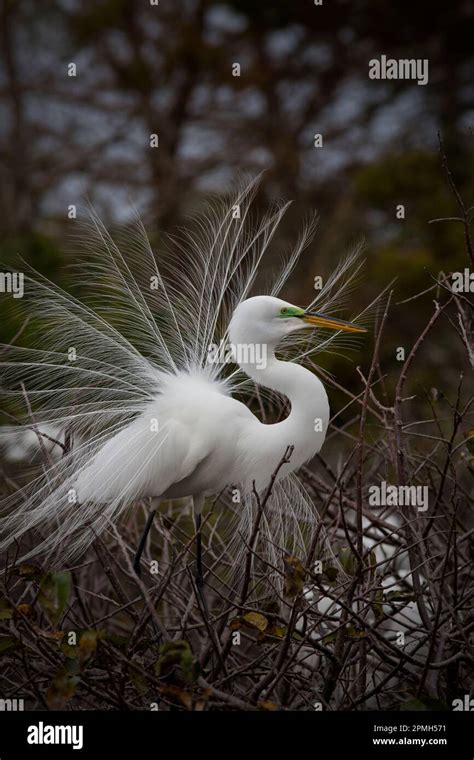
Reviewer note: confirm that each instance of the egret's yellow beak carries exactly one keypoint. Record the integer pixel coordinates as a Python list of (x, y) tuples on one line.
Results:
[(319, 320)]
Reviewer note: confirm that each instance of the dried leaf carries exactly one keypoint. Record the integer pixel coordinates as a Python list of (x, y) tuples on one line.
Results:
[(294, 576), (235, 624), (267, 705), (178, 694), (256, 620), (201, 703), (51, 635), (24, 610), (272, 631), (88, 644)]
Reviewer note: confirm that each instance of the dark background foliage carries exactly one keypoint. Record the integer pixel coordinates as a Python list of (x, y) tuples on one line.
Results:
[(167, 69)]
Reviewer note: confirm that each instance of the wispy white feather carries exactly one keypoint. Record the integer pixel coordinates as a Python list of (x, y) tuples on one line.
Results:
[(145, 321)]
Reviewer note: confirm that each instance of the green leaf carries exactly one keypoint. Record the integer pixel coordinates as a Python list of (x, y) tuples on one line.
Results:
[(117, 640), (7, 642), (399, 596), (86, 646), (356, 633), (69, 650), (55, 589), (350, 631), (331, 573), (29, 572), (61, 689), (176, 659), (348, 559), (6, 612), (138, 679), (426, 704), (470, 441), (372, 562), (377, 604)]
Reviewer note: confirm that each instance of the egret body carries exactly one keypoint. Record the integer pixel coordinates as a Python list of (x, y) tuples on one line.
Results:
[(205, 439), (149, 414)]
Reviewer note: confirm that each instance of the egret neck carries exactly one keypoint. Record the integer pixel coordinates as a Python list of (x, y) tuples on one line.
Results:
[(305, 426)]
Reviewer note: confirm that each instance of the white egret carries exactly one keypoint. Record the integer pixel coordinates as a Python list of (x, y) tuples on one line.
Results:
[(205, 439), (127, 371)]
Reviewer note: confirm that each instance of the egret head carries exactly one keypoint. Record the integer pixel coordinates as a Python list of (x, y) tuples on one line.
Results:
[(265, 319)]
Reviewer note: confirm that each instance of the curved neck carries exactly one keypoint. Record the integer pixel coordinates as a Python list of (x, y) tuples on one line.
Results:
[(302, 388)]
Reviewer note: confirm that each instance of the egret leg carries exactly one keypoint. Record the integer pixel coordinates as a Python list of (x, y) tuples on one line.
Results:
[(141, 545), (198, 502)]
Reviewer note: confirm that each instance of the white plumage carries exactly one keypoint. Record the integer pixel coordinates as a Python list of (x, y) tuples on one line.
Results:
[(195, 439), (150, 415)]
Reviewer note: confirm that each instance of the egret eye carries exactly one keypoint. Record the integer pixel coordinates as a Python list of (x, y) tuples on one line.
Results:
[(284, 310)]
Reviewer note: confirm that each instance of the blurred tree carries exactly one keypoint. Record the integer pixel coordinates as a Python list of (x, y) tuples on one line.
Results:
[(166, 69)]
